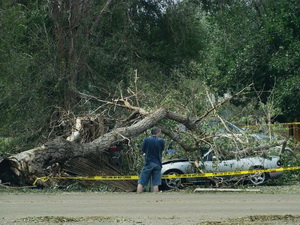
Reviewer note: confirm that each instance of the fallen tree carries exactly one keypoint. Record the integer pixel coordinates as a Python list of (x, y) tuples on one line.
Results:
[(23, 168)]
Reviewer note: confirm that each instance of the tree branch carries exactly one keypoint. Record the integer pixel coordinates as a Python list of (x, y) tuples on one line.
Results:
[(220, 104)]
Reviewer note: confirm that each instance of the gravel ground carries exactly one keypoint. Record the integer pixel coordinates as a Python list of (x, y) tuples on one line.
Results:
[(272, 205)]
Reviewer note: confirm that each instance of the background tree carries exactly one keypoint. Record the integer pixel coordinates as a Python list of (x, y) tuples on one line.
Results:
[(53, 50), (257, 42)]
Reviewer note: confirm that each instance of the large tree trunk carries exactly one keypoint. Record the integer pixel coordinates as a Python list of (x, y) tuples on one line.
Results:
[(24, 167)]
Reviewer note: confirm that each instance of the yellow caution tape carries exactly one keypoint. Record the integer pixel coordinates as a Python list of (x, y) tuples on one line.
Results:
[(218, 174), (272, 124), (173, 176)]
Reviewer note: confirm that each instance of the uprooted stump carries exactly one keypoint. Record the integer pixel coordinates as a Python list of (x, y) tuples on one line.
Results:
[(89, 165)]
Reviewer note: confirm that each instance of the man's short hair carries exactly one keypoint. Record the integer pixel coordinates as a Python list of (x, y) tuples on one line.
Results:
[(155, 130)]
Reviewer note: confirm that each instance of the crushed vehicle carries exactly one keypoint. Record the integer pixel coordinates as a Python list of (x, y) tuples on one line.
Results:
[(228, 139), (211, 163)]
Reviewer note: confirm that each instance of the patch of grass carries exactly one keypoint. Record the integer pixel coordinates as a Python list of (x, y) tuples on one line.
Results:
[(256, 220), (63, 219), (290, 188), (69, 188)]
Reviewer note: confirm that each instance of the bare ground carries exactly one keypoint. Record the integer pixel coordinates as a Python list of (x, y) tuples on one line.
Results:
[(148, 208)]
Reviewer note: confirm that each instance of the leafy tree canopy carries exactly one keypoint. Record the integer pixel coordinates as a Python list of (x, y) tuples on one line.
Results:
[(51, 51)]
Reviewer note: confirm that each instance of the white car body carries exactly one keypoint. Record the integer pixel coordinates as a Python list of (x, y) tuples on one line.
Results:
[(210, 164)]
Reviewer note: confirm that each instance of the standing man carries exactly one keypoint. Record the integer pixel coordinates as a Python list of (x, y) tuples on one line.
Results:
[(152, 148)]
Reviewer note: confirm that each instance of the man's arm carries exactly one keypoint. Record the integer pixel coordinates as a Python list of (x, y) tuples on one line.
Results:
[(144, 146), (163, 144)]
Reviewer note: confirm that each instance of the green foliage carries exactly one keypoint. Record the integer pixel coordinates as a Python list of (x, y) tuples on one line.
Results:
[(287, 95), (175, 49), (290, 160), (25, 91), (5, 144), (257, 42)]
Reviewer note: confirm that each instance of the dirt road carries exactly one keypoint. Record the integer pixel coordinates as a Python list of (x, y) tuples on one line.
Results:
[(146, 208)]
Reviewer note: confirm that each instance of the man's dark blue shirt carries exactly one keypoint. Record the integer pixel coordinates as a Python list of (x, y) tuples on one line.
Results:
[(153, 147)]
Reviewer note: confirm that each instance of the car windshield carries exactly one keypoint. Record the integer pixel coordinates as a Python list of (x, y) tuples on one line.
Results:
[(208, 156)]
